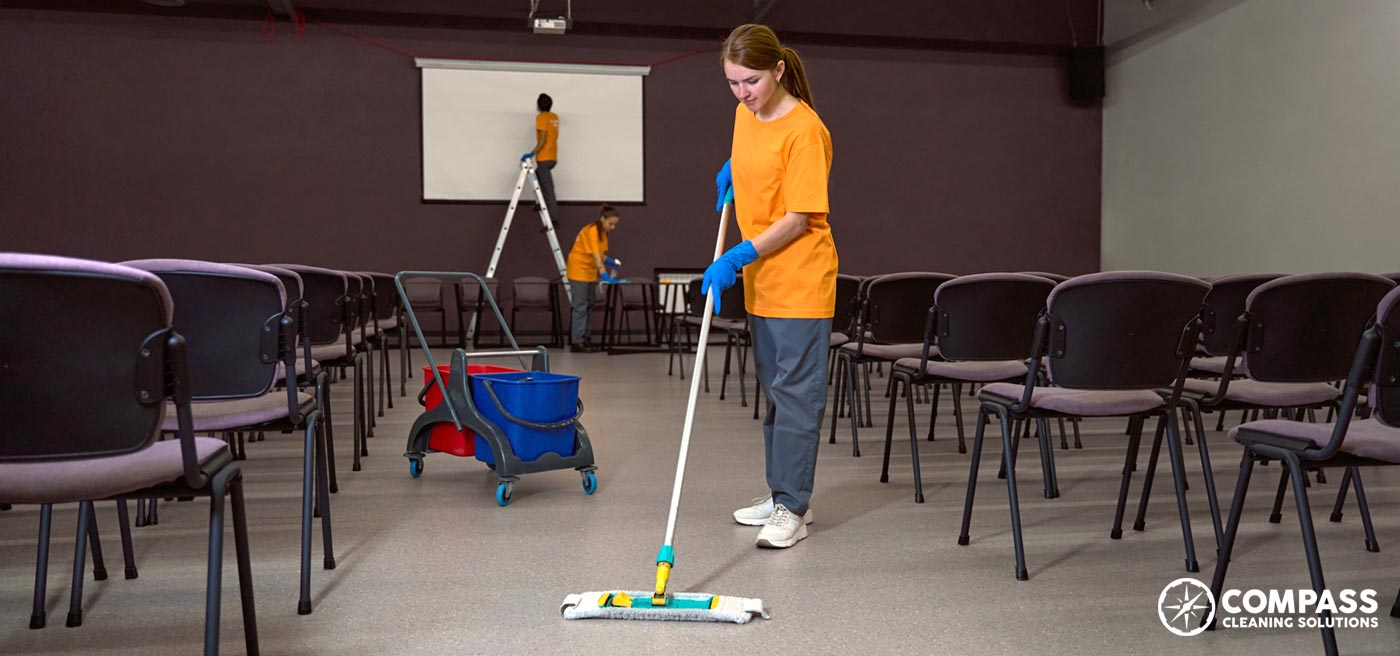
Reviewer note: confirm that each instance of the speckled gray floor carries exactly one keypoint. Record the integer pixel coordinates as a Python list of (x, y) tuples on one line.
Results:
[(434, 566)]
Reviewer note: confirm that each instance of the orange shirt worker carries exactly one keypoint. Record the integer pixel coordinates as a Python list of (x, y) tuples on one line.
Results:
[(777, 174), (588, 264)]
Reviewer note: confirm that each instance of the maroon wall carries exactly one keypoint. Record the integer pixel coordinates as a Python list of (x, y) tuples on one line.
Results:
[(130, 136)]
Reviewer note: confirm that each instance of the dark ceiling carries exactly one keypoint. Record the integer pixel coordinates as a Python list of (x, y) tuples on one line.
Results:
[(996, 25)]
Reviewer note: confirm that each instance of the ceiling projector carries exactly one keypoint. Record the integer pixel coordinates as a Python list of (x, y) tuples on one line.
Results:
[(550, 25)]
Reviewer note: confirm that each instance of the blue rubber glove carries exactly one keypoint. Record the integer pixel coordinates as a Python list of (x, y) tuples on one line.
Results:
[(527, 155), (612, 262), (722, 274), (724, 184), (604, 277)]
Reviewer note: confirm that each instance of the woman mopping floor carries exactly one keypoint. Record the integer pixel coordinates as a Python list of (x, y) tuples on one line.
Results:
[(777, 180)]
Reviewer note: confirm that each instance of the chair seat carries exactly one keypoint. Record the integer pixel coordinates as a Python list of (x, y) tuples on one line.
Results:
[(1215, 364), (387, 324), (1365, 438), (332, 351), (732, 325), (837, 339), (1269, 395), (1082, 403), (237, 413), (889, 351), (301, 364), (67, 481), (977, 372)]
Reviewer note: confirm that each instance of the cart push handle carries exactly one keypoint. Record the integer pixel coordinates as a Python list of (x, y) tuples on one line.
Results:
[(525, 422)]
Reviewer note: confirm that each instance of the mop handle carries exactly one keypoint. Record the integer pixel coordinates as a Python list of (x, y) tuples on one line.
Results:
[(695, 380)]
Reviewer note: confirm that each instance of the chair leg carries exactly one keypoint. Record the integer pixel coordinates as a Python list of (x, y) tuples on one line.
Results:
[(933, 410), (913, 437), (869, 420), (743, 369), (99, 565), (724, 372), (387, 395), (1047, 457), (128, 553), (213, 591), (1232, 527), (404, 356), (360, 413), (1341, 496), (1129, 457), (324, 405), (1009, 456), (365, 389), (957, 418), (852, 395), (1179, 478), (38, 616), (245, 568), (889, 433), (75, 602), (1277, 515), (972, 475), (308, 474), (1212, 498), (1140, 522), (1371, 544), (1300, 496), (1074, 423), (838, 391), (323, 500)]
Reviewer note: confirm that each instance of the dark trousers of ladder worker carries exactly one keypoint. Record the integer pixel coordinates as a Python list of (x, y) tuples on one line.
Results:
[(790, 355), (544, 172)]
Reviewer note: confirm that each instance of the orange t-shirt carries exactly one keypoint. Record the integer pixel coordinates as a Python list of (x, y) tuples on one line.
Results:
[(549, 123), (782, 166), (590, 240)]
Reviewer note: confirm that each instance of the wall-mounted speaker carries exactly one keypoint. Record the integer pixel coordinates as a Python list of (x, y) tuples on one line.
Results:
[(1086, 75)]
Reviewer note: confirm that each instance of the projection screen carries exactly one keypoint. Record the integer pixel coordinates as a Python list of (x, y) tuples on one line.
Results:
[(479, 117)]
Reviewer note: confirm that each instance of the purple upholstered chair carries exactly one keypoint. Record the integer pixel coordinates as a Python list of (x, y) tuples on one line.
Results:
[(1224, 305), (384, 325), (91, 434), (1112, 339), (238, 329), (1052, 277), (982, 324), (889, 326), (1302, 329), (471, 305), (536, 294), (1350, 443)]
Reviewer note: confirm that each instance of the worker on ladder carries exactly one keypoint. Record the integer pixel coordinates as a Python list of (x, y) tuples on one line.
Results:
[(546, 152)]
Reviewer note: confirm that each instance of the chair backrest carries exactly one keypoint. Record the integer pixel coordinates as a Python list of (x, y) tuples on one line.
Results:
[(633, 293), (894, 308), (1385, 388), (1223, 307), (1393, 277), (291, 280), (1305, 328), (356, 299), (530, 291), (694, 300), (424, 295), (1053, 277), (847, 302), (731, 301), (1121, 329), (324, 291), (83, 347), (989, 316), (229, 316), (469, 292), (386, 298)]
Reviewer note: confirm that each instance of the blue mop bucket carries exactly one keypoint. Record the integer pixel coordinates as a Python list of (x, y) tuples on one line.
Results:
[(535, 410)]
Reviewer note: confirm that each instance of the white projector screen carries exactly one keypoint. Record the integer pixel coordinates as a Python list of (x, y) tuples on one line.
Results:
[(479, 117)]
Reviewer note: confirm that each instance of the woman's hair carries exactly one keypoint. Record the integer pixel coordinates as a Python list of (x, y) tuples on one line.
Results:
[(607, 212), (544, 102), (757, 47)]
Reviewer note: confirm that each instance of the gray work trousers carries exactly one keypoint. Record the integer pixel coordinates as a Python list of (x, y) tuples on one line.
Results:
[(544, 172), (582, 303), (790, 355)]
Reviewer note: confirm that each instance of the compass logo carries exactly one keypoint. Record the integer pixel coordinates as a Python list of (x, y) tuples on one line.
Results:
[(1182, 606)]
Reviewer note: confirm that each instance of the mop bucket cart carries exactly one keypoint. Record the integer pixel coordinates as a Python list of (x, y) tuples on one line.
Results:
[(485, 403)]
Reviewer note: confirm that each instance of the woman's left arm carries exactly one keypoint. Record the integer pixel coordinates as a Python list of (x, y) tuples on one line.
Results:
[(781, 233)]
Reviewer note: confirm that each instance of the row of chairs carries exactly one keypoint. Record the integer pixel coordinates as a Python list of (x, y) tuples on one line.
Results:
[(1125, 344), (529, 295), (206, 345)]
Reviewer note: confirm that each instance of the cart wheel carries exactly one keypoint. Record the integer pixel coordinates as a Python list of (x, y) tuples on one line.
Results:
[(590, 483), (415, 468), (503, 491)]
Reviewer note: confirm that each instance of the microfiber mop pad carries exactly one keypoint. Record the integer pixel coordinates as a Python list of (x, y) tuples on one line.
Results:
[(594, 605)]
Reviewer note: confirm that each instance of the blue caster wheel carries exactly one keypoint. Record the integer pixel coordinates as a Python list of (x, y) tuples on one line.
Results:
[(503, 491), (415, 468), (590, 483)]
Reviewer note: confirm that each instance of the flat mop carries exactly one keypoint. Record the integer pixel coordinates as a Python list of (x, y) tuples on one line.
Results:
[(679, 606)]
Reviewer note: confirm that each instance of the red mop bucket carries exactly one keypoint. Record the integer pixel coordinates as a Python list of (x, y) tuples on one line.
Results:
[(445, 437)]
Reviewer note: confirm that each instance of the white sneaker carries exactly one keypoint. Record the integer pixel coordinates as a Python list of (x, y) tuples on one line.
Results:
[(782, 530), (757, 513)]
